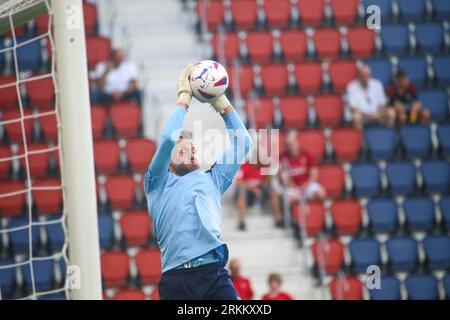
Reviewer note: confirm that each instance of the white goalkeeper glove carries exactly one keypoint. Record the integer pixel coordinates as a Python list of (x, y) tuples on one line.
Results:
[(184, 87), (220, 104)]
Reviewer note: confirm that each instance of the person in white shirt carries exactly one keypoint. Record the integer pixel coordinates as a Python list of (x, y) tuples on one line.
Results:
[(368, 100), (116, 79)]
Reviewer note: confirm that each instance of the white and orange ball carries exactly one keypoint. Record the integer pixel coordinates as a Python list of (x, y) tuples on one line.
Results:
[(208, 80)]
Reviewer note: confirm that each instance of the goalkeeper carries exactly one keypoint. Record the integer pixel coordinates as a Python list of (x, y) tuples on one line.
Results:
[(184, 202)]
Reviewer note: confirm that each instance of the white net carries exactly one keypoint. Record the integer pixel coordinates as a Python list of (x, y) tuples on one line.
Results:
[(33, 233)]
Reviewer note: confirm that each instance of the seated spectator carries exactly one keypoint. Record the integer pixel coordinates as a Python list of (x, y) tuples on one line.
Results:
[(241, 284), (275, 293), (367, 100), (403, 98), (116, 79)]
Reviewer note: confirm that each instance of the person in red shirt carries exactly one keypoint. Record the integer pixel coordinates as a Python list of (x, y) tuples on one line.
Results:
[(275, 292), (241, 284)]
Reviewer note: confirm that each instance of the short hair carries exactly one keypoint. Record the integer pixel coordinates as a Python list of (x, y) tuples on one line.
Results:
[(275, 277), (401, 74)]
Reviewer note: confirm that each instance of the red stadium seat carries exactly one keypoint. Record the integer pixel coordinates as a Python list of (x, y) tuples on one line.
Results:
[(37, 163), (332, 178), (293, 44), (274, 79), (98, 117), (327, 42), (344, 11), (140, 152), (41, 92), (313, 141), (260, 46), (98, 50), (49, 127), (341, 73), (278, 12), (115, 267), (129, 294), (347, 288), (329, 109), (12, 205), (246, 78), (314, 218), (8, 92), (106, 156), (245, 13), (120, 190), (294, 111), (346, 143), (361, 42), (309, 76), (228, 46), (155, 294), (148, 263), (346, 216), (126, 118), (5, 165), (136, 227), (261, 111), (211, 12), (311, 12), (328, 253), (14, 129), (49, 200)]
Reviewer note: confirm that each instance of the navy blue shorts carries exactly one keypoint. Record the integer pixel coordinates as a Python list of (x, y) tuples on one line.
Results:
[(206, 282)]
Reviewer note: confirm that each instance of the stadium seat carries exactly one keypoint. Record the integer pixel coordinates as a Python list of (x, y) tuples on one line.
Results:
[(8, 92), (446, 284), (14, 129), (293, 44), (430, 37), (401, 177), (389, 289), (364, 252), (402, 253), (120, 190), (126, 119), (422, 287), (5, 166), (245, 13), (19, 239), (341, 73), (381, 142), (263, 111), (436, 102), (49, 198), (154, 295), (98, 117), (43, 275), (327, 42), (244, 82), (41, 93), (444, 205), (212, 11), (361, 41), (382, 213), (395, 38), (14, 204), (140, 152), (130, 294), (346, 288), (311, 12), (277, 12), (441, 9), (136, 227), (106, 231), (441, 67), (98, 50), (346, 143), (226, 45), (7, 277), (412, 10), (106, 156), (294, 110), (38, 162), (443, 132), (436, 175), (366, 179), (55, 233), (53, 296), (308, 76), (332, 178), (115, 266), (419, 212), (331, 252), (313, 141), (381, 70), (148, 263), (260, 46), (49, 127), (416, 140), (384, 5), (29, 55), (437, 253), (274, 79), (344, 11), (329, 109), (346, 215), (416, 67), (314, 219)]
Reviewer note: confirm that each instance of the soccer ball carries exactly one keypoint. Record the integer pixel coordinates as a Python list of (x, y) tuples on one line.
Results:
[(208, 80)]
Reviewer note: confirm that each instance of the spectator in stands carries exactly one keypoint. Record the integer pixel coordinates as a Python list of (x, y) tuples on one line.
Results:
[(241, 284), (368, 100), (116, 79), (403, 99), (275, 292)]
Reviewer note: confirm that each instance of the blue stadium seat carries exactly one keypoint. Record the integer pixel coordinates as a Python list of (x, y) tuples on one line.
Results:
[(366, 179), (442, 9), (446, 283), (441, 67), (401, 177), (436, 175), (412, 10), (55, 234), (53, 296), (2, 55), (19, 238), (7, 277), (416, 140), (422, 287), (419, 212), (381, 70), (436, 102), (389, 289), (382, 214), (43, 272), (430, 37), (416, 67), (437, 251), (29, 55), (443, 132), (402, 252), (444, 205), (381, 142), (364, 252), (384, 5), (395, 38), (106, 231)]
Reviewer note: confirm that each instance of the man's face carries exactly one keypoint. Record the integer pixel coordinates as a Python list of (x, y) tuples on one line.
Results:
[(235, 268), (118, 56), (403, 82), (292, 145), (274, 285), (364, 75), (184, 157)]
